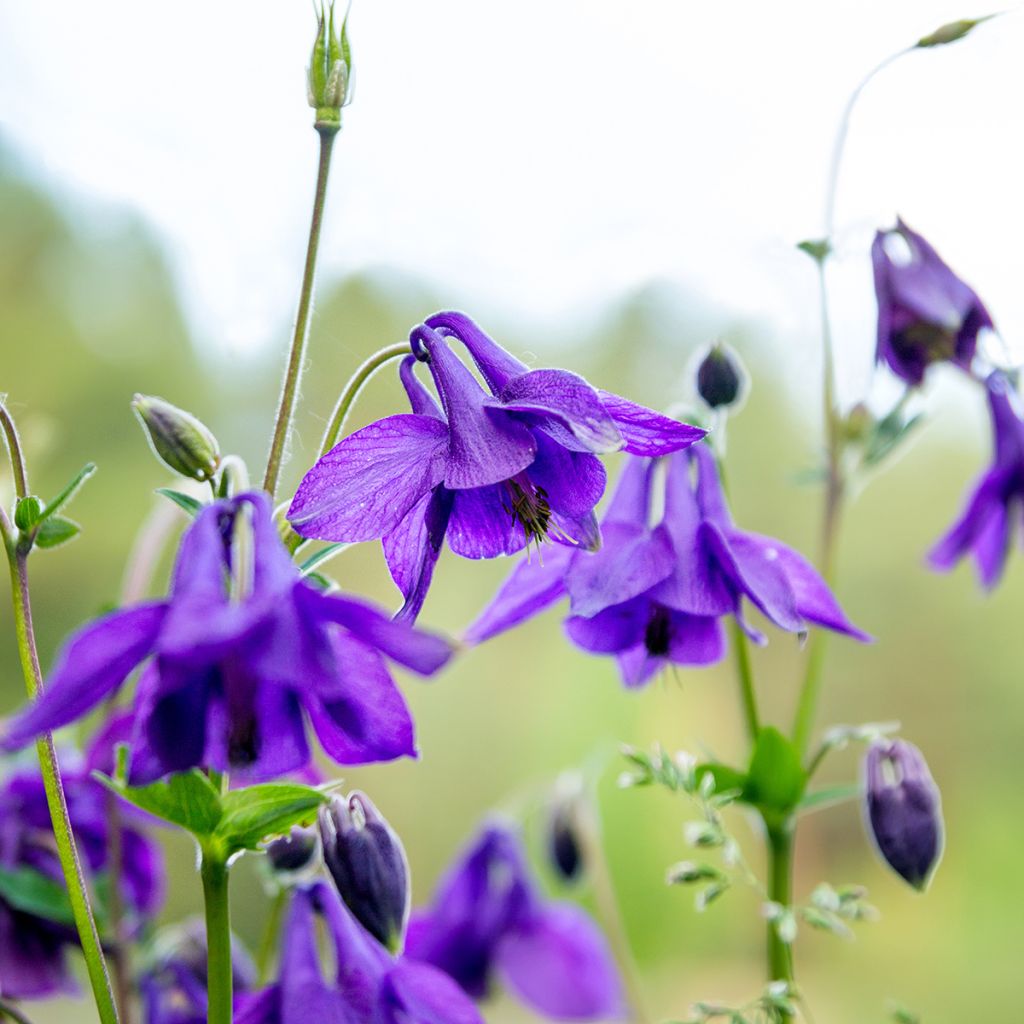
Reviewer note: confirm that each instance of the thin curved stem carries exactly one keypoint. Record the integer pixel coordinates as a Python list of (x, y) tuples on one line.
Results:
[(10, 1012), (745, 676), (55, 799), (14, 450), (297, 352)]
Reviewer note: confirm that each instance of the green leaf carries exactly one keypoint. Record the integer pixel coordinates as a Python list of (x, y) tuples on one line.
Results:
[(818, 249), (70, 490), (829, 797), (726, 778), (183, 501), (322, 556), (27, 513), (187, 799), (33, 893), (56, 531), (888, 434), (776, 779), (256, 813)]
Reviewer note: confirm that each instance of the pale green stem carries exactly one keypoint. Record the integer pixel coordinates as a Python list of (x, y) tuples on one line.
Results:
[(745, 676), (218, 938), (265, 954), (297, 352), (780, 890)]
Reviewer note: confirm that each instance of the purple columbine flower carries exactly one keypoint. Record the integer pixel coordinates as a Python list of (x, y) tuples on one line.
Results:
[(370, 985), (488, 918), (230, 679), (655, 593), (489, 472), (926, 314), (903, 810), (995, 509), (173, 983)]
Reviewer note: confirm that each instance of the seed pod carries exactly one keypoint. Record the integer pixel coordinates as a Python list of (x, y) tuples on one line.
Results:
[(178, 439), (903, 810), (367, 862)]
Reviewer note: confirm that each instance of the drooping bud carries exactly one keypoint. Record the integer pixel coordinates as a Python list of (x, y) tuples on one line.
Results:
[(330, 70), (951, 32), (177, 438), (903, 810), (367, 862), (720, 377), (293, 852), (565, 841)]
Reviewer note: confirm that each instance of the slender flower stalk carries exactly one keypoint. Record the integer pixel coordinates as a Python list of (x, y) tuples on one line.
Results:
[(297, 352), (745, 677), (214, 873), (10, 1012)]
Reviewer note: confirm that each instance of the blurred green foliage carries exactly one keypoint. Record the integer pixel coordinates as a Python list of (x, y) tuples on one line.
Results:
[(89, 316)]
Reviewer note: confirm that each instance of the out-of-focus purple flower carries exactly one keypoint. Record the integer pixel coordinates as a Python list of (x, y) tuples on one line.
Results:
[(926, 314), (488, 918), (370, 985), (995, 509), (654, 594), (293, 852), (489, 472), (230, 680), (173, 983), (903, 810)]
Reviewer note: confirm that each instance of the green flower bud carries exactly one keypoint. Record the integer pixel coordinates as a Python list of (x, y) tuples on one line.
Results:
[(330, 70), (177, 438), (951, 32)]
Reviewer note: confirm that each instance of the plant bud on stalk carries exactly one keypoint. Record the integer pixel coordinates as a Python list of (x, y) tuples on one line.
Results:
[(566, 845), (367, 862), (329, 78), (293, 852), (903, 810), (178, 439), (720, 377)]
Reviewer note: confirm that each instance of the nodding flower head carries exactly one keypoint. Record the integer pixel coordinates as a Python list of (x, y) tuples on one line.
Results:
[(721, 379)]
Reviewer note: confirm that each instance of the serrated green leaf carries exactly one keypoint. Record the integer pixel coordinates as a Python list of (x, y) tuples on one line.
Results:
[(55, 531), (187, 799), (775, 781), (70, 490), (829, 797), (257, 813), (184, 501), (33, 893)]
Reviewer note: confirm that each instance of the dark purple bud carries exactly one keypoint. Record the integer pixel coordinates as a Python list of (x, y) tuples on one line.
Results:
[(368, 864), (720, 377), (566, 844), (903, 810), (179, 440), (293, 852)]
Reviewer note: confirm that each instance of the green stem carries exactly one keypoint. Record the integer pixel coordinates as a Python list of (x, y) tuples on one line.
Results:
[(11, 1012), (296, 355), (745, 676), (14, 450), (265, 954), (780, 890), (66, 849), (218, 938)]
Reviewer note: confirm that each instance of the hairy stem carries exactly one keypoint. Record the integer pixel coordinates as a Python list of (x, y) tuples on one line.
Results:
[(218, 938), (297, 352), (55, 799), (14, 450)]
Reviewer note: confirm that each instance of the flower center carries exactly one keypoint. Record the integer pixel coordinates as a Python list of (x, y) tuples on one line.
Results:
[(658, 633), (529, 507), (933, 342)]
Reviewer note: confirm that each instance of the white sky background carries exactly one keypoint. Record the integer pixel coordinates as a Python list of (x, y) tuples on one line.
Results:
[(533, 160)]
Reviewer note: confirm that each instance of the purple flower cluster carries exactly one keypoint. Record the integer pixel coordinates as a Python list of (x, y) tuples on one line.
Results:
[(656, 593), (491, 472), (238, 658)]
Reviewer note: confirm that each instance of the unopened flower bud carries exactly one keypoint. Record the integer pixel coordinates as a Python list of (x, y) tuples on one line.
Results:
[(566, 846), (951, 32), (903, 810), (178, 439), (720, 377), (293, 852), (367, 862), (330, 70)]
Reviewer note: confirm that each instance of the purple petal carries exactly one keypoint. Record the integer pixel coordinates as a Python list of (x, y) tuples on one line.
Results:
[(535, 583), (559, 963), (496, 365), (416, 993), (32, 963), (578, 532), (632, 560), (637, 666), (366, 718), (814, 601), (421, 400), (631, 502), (565, 406), (485, 446), (143, 873), (572, 481), (273, 569), (366, 484), (612, 630), (695, 639), (94, 664), (263, 1007), (984, 504), (202, 558), (423, 652), (414, 546), (992, 547), (482, 524), (645, 431), (710, 496)]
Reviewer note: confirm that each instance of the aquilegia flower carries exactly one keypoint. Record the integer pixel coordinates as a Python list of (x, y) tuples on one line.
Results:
[(229, 680), (488, 918), (995, 509), (926, 314), (654, 594), (370, 985), (489, 472)]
